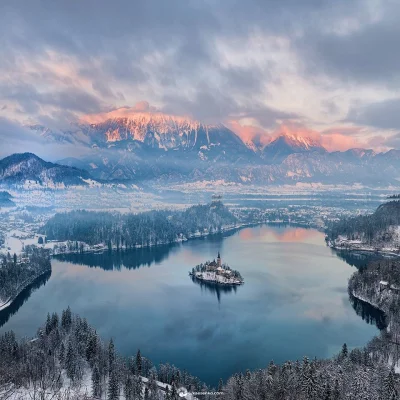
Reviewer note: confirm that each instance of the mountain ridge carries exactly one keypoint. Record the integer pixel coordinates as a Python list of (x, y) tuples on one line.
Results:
[(29, 170), (156, 146)]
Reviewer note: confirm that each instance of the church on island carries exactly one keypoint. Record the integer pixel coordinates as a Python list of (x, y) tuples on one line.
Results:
[(216, 272)]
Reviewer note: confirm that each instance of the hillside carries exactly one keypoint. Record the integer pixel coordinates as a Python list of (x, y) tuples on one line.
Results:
[(28, 170), (377, 231)]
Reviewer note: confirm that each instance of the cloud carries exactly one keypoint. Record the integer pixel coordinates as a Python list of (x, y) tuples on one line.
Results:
[(259, 62), (334, 139), (384, 114), (16, 138), (122, 112)]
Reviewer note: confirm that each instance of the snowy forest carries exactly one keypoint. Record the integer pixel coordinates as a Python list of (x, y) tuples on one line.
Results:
[(374, 229), (68, 360), (18, 272), (144, 229), (379, 285)]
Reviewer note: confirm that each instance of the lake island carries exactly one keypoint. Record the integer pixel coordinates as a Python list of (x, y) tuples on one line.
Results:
[(216, 272)]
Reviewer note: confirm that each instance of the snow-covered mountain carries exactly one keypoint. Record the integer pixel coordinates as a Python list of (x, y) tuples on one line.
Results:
[(285, 144), (155, 146), (156, 134), (30, 171)]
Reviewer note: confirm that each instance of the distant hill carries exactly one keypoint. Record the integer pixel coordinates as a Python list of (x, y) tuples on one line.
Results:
[(380, 230), (28, 170)]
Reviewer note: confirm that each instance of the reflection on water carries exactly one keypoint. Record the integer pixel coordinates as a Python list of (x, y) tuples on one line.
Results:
[(130, 259), (23, 297), (368, 313), (214, 288), (294, 302), (359, 259)]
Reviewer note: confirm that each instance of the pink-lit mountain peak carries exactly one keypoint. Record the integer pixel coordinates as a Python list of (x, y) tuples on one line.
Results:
[(128, 123), (299, 139)]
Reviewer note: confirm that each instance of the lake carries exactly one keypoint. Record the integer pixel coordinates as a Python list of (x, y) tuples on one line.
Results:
[(294, 301)]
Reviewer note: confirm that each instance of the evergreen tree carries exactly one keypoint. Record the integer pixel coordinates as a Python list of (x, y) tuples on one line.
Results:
[(336, 391), (96, 382), (344, 353), (66, 319), (113, 386), (48, 325), (138, 385), (390, 385), (70, 361), (327, 392), (91, 348), (111, 356), (138, 362), (167, 394), (129, 389)]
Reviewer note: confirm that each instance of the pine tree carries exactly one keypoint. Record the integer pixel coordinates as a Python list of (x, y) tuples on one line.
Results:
[(138, 363), (344, 353), (111, 356), (113, 386), (129, 389), (48, 325), (91, 348), (62, 353), (54, 321), (96, 382), (70, 361), (174, 392), (146, 394), (390, 385), (336, 391), (309, 381), (153, 387), (66, 319), (327, 392), (138, 384)]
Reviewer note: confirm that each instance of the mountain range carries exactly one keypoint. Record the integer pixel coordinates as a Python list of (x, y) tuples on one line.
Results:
[(145, 146)]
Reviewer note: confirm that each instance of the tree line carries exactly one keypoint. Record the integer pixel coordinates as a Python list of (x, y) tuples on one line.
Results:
[(68, 360), (18, 272), (373, 229), (117, 230)]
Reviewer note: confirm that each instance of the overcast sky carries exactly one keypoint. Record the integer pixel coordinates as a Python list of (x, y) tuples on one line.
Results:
[(331, 68)]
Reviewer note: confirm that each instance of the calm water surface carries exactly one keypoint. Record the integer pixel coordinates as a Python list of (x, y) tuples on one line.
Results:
[(294, 301)]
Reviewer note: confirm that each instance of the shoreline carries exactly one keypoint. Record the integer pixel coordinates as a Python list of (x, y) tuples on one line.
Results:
[(11, 300), (104, 248), (354, 248), (215, 281)]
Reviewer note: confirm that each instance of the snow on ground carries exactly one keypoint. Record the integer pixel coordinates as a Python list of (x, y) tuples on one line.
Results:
[(79, 392)]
